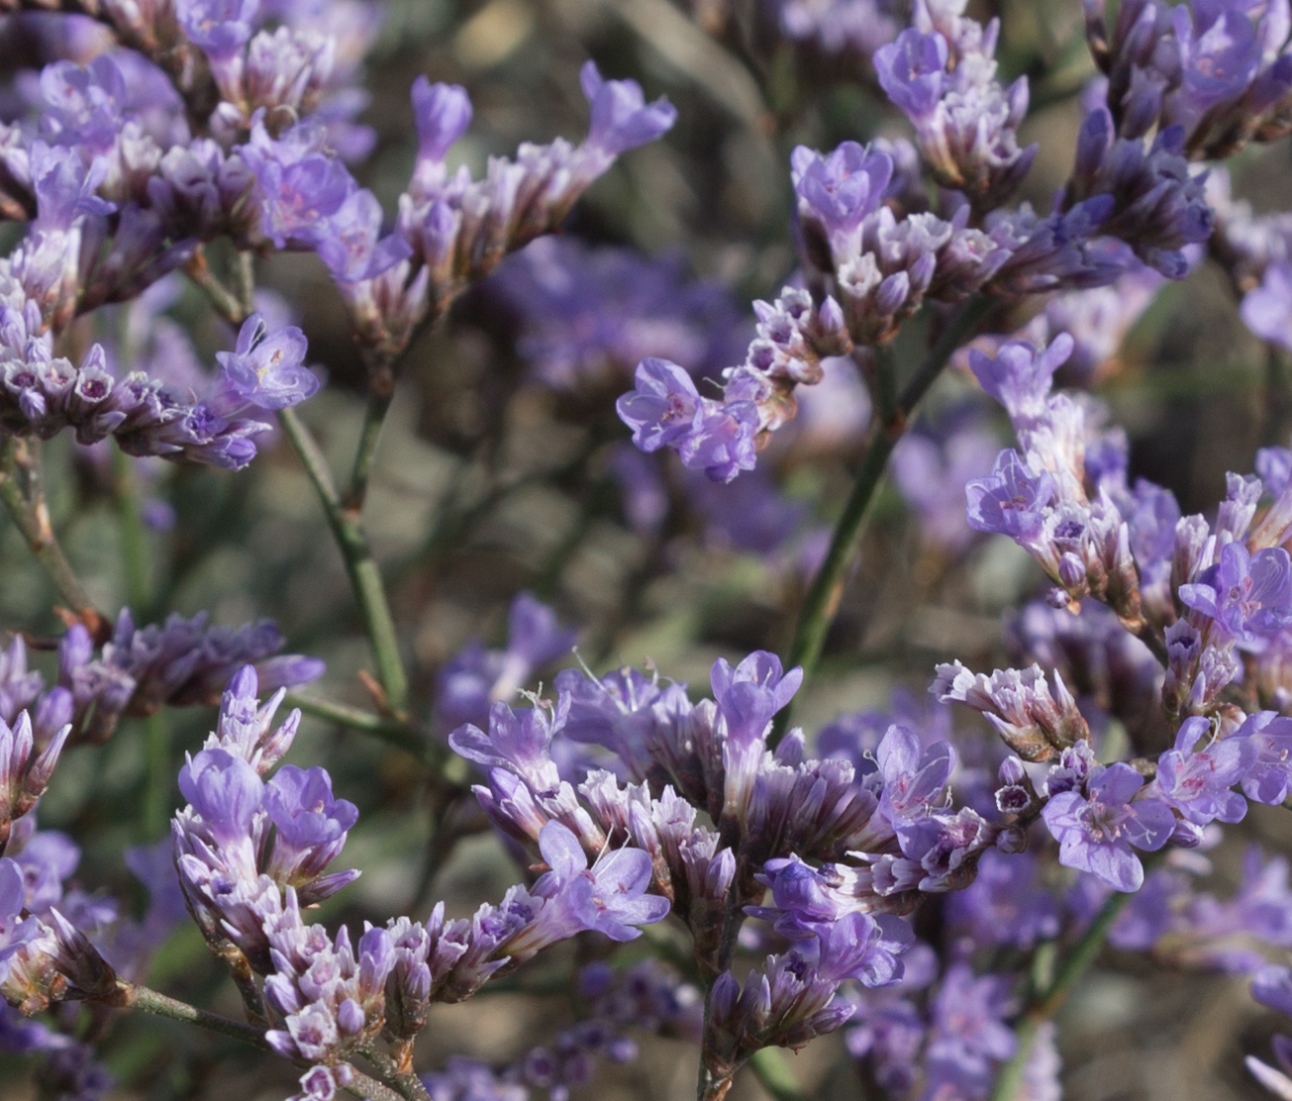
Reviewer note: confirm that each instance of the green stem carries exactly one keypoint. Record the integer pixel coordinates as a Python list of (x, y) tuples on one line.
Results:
[(134, 542), (21, 493), (381, 392), (154, 810), (226, 303), (365, 578), (774, 1075), (155, 813), (1044, 1003), (397, 734), (827, 588), (150, 1001)]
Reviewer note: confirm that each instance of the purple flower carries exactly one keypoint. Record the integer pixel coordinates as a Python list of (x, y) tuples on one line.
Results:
[(1096, 831), (837, 191), (1198, 784), (264, 370), (441, 113), (220, 27), (662, 409), (1270, 777), (1011, 501), (1247, 597), (914, 778), (621, 117), (224, 790), (311, 824), (610, 897), (1267, 310), (722, 439), (751, 693), (518, 742), (912, 71)]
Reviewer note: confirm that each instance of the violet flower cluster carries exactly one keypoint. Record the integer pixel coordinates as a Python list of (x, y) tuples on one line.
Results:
[(873, 250), (253, 855)]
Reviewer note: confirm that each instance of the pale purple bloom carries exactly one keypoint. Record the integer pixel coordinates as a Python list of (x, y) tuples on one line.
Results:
[(220, 27), (912, 70), (1247, 597), (915, 778), (225, 791), (749, 695), (1198, 784), (621, 117), (1096, 831), (1011, 500), (662, 409), (1267, 310), (1270, 777), (837, 191), (517, 741), (610, 897)]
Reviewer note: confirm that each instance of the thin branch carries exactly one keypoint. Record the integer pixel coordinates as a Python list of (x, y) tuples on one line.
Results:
[(381, 392), (23, 497), (1044, 1003), (150, 1001), (823, 598), (400, 735), (365, 578), (774, 1075)]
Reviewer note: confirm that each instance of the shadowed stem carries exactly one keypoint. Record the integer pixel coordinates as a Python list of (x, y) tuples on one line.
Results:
[(365, 578), (400, 735), (150, 1001), (154, 808), (1044, 1003), (381, 392), (774, 1075), (344, 522), (23, 497), (823, 598)]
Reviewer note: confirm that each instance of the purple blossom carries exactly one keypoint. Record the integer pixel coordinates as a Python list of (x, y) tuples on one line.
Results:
[(749, 695), (1246, 597), (1198, 784), (610, 897), (912, 71), (1269, 779), (662, 409), (225, 791), (264, 370), (311, 824), (1096, 831), (441, 113), (1267, 310), (837, 191), (1011, 501), (621, 117), (220, 27), (915, 778)]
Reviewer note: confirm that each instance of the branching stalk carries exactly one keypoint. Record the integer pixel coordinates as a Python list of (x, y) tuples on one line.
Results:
[(1044, 1003), (150, 1001), (360, 565), (24, 498), (823, 598)]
